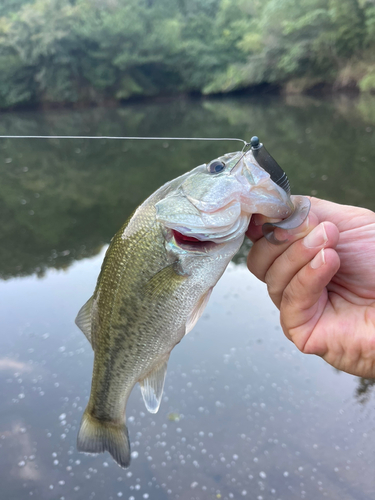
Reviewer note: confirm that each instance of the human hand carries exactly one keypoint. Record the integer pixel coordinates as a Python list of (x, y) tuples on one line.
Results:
[(323, 281)]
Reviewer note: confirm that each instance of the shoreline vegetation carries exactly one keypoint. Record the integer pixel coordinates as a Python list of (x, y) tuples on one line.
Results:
[(79, 53)]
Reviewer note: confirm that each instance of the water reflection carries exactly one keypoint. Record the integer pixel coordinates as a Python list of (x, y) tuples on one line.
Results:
[(244, 414), (61, 201), (365, 389), (255, 417)]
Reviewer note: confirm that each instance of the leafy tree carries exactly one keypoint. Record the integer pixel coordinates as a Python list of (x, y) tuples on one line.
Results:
[(68, 51), (348, 26), (9, 6)]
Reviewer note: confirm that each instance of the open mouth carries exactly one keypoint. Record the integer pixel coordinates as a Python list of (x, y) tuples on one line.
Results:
[(189, 242)]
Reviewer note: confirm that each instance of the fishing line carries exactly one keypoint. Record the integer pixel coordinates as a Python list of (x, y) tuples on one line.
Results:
[(130, 138), (244, 150)]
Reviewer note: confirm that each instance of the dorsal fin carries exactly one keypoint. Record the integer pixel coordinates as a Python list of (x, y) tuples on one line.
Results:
[(152, 387), (83, 319)]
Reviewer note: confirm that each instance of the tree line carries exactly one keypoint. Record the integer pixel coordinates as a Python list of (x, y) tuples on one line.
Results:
[(95, 51)]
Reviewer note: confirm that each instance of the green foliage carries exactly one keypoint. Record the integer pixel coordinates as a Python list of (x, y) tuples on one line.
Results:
[(9, 6), (348, 25), (367, 84), (67, 51), (369, 12)]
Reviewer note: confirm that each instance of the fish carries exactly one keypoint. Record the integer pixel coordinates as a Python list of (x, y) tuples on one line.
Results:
[(156, 279)]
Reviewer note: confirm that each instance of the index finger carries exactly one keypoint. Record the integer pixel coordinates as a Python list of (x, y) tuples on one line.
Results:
[(263, 253), (254, 231), (302, 205)]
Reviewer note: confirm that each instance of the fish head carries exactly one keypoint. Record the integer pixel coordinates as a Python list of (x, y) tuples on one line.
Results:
[(215, 201)]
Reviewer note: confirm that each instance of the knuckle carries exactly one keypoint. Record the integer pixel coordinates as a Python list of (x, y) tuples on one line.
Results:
[(294, 336), (272, 288), (291, 256), (297, 294), (249, 262), (288, 297), (254, 267)]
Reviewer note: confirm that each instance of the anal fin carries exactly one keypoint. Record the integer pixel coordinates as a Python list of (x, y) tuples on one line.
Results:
[(84, 319), (152, 387)]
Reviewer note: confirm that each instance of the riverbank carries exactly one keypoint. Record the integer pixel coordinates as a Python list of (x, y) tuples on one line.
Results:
[(316, 87)]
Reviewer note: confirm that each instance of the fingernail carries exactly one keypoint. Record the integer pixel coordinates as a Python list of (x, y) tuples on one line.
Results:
[(316, 238), (318, 260)]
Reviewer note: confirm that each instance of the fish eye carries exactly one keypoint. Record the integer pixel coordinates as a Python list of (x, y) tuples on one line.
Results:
[(215, 167)]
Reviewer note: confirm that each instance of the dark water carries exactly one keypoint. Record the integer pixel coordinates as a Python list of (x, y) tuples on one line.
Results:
[(244, 414)]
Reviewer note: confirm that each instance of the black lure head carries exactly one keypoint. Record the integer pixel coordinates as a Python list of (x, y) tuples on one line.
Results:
[(269, 164), (279, 177)]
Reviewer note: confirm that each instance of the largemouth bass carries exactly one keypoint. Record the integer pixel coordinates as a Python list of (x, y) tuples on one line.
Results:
[(156, 279)]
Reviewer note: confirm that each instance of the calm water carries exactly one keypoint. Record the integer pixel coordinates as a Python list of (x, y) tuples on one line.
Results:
[(244, 414)]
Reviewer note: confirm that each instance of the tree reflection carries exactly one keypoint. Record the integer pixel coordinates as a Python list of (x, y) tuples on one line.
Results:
[(364, 390), (63, 200)]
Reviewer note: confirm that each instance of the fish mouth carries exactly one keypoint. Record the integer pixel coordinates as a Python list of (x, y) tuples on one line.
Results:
[(212, 229), (189, 243), (207, 210), (221, 226)]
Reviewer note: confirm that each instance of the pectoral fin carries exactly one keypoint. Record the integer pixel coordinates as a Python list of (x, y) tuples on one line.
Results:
[(165, 281), (197, 311), (152, 387)]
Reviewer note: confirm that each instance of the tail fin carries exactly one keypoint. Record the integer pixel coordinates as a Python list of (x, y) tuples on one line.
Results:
[(95, 436)]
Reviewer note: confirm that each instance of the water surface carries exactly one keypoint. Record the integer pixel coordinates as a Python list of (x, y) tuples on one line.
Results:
[(244, 414)]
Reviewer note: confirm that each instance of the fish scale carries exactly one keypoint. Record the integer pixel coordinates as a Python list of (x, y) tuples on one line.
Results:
[(154, 285)]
